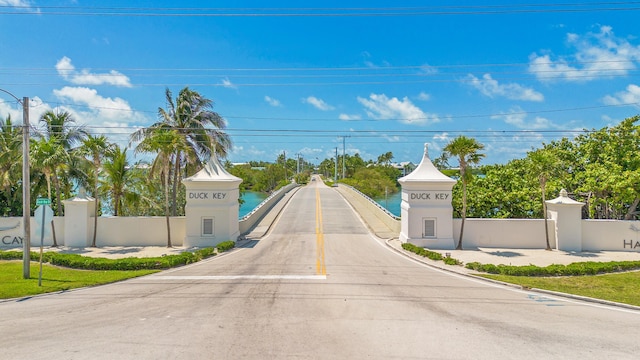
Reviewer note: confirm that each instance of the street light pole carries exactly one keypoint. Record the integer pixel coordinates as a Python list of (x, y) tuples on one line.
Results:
[(26, 187)]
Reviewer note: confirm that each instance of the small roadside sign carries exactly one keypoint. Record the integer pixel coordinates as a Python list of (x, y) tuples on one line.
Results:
[(43, 201)]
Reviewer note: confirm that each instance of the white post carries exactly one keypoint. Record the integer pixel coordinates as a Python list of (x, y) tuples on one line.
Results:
[(567, 216)]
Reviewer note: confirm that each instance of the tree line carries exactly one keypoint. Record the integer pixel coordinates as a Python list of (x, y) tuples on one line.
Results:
[(599, 167)]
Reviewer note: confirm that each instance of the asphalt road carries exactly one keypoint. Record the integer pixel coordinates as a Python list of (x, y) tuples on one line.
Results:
[(318, 286)]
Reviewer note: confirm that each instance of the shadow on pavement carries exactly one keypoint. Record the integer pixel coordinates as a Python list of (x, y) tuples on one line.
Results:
[(248, 244), (505, 253)]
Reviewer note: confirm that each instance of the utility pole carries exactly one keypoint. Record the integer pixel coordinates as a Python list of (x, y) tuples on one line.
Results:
[(26, 187), (298, 164), (335, 174), (284, 153), (26, 192), (344, 154)]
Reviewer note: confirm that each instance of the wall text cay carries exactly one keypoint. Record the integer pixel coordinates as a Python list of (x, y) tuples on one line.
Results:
[(12, 240)]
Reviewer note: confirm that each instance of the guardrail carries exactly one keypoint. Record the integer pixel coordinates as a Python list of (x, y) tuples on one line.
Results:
[(375, 203), (248, 221), (283, 190)]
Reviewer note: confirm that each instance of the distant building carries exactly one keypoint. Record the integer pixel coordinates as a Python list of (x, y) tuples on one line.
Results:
[(405, 167)]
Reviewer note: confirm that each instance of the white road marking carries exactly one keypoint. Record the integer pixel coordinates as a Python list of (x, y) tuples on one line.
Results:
[(239, 277)]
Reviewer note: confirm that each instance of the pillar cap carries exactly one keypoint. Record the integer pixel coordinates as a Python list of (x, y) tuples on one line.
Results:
[(426, 172), (564, 199), (81, 197), (213, 172)]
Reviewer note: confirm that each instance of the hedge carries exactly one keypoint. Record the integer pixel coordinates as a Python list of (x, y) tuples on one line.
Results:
[(76, 261), (573, 269), (422, 251)]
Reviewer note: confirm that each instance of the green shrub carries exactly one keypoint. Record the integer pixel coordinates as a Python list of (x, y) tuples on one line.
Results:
[(76, 261), (573, 269), (225, 246), (429, 254), (10, 255), (451, 261)]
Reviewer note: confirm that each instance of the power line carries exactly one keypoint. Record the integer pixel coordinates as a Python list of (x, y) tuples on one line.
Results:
[(322, 12)]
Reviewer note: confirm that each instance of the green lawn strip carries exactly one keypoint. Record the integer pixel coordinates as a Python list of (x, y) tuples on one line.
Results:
[(54, 278), (618, 287), (69, 271)]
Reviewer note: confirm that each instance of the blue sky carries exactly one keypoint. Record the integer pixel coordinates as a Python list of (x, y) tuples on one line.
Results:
[(299, 76)]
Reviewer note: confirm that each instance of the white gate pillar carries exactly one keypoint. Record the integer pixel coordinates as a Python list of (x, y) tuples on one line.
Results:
[(78, 211), (426, 210), (212, 207), (567, 214)]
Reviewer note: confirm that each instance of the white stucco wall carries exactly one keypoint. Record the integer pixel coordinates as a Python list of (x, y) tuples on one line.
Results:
[(12, 238), (610, 235), (139, 231), (504, 233)]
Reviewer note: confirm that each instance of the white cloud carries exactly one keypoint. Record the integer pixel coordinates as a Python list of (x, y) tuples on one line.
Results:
[(113, 116), (519, 118), (427, 69), (379, 106), (441, 137), (318, 103), (630, 96), (600, 54), (348, 117), (21, 3), (84, 77), (273, 102), (228, 84), (491, 88), (423, 96), (394, 138)]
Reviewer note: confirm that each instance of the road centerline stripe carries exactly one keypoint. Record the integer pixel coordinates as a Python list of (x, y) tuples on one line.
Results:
[(320, 260)]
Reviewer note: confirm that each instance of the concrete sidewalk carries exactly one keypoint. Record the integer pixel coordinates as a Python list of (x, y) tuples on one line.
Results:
[(521, 257)]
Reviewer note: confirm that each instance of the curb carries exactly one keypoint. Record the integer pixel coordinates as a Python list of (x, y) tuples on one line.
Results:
[(473, 275)]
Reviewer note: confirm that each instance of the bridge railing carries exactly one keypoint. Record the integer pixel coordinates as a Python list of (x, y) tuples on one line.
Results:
[(373, 202), (248, 221)]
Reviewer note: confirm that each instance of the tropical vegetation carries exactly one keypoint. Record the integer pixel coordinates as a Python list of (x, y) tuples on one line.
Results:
[(600, 167)]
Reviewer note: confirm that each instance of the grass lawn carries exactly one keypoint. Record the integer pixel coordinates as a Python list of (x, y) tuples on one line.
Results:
[(54, 278), (618, 287)]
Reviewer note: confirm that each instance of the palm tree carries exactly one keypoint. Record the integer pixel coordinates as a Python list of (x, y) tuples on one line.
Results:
[(10, 163), (467, 151), (117, 177), (165, 142), (544, 166), (59, 129), (95, 147), (202, 130), (49, 157)]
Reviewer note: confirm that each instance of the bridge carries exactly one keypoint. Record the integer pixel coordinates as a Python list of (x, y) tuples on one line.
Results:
[(317, 285)]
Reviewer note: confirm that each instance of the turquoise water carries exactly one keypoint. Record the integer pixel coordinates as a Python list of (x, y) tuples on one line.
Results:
[(251, 200), (391, 203)]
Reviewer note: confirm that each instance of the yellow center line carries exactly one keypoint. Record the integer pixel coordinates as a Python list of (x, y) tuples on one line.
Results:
[(320, 265)]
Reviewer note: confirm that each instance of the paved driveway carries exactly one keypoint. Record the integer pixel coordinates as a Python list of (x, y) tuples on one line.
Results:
[(318, 286)]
